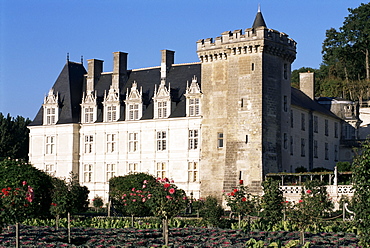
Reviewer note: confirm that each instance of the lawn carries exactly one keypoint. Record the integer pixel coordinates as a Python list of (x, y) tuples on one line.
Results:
[(32, 236)]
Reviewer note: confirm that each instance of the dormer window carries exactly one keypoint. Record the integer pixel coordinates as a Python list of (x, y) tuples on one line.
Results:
[(162, 101), (193, 99), (51, 108), (134, 103), (111, 105), (194, 106), (89, 108)]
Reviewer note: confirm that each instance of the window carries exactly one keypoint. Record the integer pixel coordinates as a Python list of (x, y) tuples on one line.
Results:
[(193, 139), (303, 148), (161, 170), (193, 106), (111, 113), (111, 143), (285, 103), (252, 67), (49, 168), (192, 171), (220, 140), (89, 115), (326, 151), (110, 171), (50, 143), (133, 167), (326, 127), (162, 109), (133, 111), (89, 141), (88, 170), (336, 129), (291, 119), (285, 142), (303, 122), (336, 152), (291, 145), (315, 149), (133, 142), (348, 111), (315, 124), (161, 141), (50, 116), (285, 71)]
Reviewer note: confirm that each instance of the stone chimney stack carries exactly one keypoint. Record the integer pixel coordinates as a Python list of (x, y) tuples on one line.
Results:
[(95, 68), (168, 58), (119, 69), (307, 83)]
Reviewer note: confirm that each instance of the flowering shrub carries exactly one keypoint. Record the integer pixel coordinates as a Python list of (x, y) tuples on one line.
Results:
[(165, 199), (15, 202), (240, 201), (272, 202)]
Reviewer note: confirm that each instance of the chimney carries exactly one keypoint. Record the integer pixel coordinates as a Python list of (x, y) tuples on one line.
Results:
[(119, 69), (168, 58), (307, 83), (95, 68)]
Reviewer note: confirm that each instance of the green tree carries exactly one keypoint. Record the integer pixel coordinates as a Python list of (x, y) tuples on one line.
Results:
[(14, 137), (272, 202), (123, 185), (313, 205), (361, 182), (211, 211), (241, 202), (13, 173)]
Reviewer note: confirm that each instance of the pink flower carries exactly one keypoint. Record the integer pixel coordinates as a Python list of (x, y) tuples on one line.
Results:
[(134, 200), (133, 189), (184, 198), (145, 182), (166, 185), (300, 201), (309, 191), (143, 200), (144, 186), (171, 191), (244, 199), (168, 197), (24, 183)]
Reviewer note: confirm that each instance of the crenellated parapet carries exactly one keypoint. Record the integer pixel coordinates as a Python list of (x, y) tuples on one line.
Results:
[(251, 41)]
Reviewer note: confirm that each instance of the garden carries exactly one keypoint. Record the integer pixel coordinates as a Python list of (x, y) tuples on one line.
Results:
[(154, 212)]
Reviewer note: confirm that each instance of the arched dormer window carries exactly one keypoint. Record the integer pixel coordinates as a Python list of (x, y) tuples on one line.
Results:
[(88, 108), (111, 105), (51, 108), (162, 101), (134, 103), (193, 98)]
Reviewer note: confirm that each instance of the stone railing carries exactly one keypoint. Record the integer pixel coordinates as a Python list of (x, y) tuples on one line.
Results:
[(293, 193)]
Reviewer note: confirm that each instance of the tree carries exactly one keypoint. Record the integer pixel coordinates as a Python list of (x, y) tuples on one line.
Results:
[(14, 137), (13, 173), (272, 202), (241, 202), (361, 182), (211, 211), (312, 206), (123, 185)]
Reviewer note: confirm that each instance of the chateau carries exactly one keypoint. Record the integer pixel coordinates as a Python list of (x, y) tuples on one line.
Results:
[(206, 125)]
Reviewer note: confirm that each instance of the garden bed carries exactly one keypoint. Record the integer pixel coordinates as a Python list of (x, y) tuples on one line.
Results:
[(31, 236)]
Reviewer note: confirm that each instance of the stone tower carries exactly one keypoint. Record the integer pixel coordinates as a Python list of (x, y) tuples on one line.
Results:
[(246, 106)]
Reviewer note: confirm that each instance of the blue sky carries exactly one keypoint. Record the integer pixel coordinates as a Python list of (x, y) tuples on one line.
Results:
[(35, 36)]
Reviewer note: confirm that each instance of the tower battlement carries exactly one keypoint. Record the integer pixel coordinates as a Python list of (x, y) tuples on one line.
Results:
[(253, 40)]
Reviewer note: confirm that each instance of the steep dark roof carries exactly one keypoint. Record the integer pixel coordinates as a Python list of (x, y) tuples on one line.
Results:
[(71, 84), (259, 21), (300, 99), (68, 86)]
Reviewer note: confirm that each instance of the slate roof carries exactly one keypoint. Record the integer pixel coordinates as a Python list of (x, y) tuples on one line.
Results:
[(69, 88), (300, 99), (259, 21), (71, 83)]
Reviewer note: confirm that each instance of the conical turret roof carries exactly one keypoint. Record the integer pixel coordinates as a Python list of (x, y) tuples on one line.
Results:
[(259, 21)]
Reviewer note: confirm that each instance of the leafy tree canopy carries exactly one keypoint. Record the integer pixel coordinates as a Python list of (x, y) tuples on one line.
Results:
[(14, 137)]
